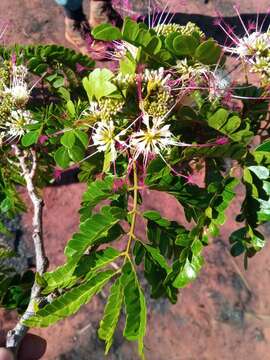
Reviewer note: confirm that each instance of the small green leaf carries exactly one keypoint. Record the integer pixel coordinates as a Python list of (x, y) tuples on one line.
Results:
[(264, 146), (196, 247), (106, 32), (185, 45), (154, 45), (83, 137), (62, 157), (71, 108), (187, 274), (127, 66), (143, 324), (76, 153), (208, 52), (130, 29), (169, 41), (219, 118), (68, 139), (30, 138), (237, 249), (231, 125), (98, 84), (93, 229), (157, 257), (59, 82), (65, 94)]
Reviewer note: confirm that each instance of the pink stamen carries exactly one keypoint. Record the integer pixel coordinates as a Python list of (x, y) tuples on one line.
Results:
[(241, 20), (80, 68), (222, 141), (217, 21), (42, 139), (57, 174), (13, 58), (119, 184), (251, 25)]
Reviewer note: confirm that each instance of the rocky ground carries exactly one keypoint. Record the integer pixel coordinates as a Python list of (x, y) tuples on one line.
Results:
[(225, 314)]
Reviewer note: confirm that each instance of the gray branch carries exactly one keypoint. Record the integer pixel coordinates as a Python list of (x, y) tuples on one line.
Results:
[(16, 335)]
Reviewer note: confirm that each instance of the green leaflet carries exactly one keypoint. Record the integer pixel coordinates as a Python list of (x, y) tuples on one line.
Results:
[(98, 84), (99, 190), (264, 146), (73, 270), (230, 125), (69, 303), (91, 230), (157, 257), (59, 278), (143, 325), (111, 314), (135, 307), (223, 194), (106, 32), (187, 274), (91, 263), (208, 52)]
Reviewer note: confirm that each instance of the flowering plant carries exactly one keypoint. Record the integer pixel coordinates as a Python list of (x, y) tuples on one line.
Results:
[(169, 110)]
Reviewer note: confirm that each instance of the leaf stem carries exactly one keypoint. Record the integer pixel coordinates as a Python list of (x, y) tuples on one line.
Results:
[(134, 210)]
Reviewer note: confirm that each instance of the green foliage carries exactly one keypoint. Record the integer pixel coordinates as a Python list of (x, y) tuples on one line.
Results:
[(208, 52), (15, 288), (69, 303), (98, 84), (111, 314), (106, 32)]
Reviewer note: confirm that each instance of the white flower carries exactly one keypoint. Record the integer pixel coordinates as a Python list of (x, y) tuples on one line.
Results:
[(157, 77), (19, 93), (252, 45), (104, 138), (16, 124), (18, 87), (153, 140), (253, 48)]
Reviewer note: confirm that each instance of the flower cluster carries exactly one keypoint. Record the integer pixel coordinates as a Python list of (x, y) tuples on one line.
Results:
[(14, 95), (139, 118), (252, 49)]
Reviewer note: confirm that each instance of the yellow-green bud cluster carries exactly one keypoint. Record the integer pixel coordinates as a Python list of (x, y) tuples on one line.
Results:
[(6, 105), (109, 107), (157, 105), (188, 29), (262, 67), (4, 76)]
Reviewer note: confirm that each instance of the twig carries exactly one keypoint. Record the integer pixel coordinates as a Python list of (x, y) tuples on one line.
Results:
[(15, 336)]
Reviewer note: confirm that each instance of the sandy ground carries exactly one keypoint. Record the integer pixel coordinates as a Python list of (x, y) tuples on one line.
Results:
[(225, 314)]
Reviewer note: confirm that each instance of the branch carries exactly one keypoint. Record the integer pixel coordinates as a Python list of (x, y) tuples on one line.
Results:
[(15, 336)]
